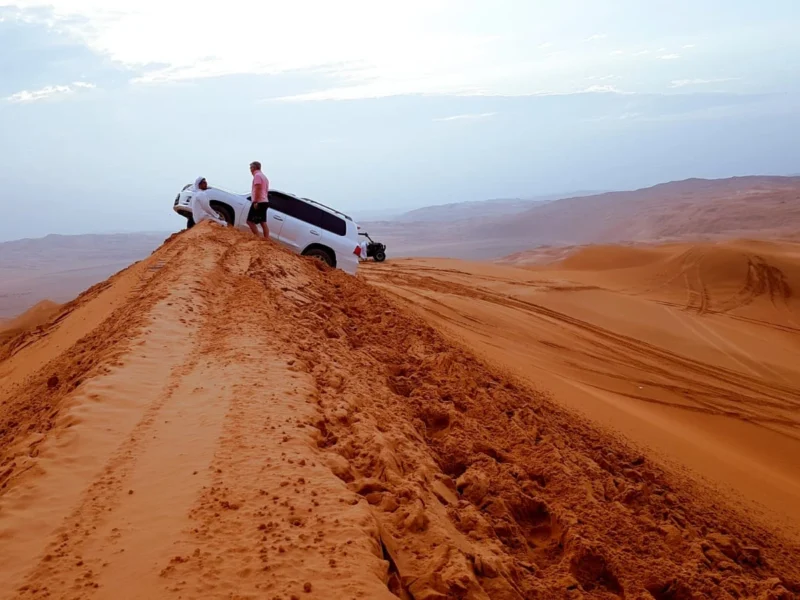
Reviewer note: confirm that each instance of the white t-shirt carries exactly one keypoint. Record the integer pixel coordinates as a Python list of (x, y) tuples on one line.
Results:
[(201, 209)]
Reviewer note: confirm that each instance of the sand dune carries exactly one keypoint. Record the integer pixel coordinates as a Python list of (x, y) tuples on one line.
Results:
[(227, 420), (691, 210), (729, 277), (16, 331), (692, 350), (37, 315), (675, 210)]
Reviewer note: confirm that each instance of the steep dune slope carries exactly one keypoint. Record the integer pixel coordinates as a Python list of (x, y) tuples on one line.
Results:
[(690, 350), (242, 422)]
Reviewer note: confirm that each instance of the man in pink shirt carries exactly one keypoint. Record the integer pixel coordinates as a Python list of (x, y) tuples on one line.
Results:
[(259, 198)]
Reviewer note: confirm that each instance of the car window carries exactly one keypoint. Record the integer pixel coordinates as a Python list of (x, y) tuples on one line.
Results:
[(328, 221), (278, 202), (307, 213)]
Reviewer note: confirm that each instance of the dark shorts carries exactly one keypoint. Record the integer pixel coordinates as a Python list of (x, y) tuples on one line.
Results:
[(258, 213)]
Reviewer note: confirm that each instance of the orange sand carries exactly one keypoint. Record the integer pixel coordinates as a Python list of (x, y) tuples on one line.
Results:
[(28, 321), (691, 350), (227, 420)]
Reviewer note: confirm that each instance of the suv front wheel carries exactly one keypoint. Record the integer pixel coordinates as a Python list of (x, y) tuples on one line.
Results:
[(223, 212), (322, 255)]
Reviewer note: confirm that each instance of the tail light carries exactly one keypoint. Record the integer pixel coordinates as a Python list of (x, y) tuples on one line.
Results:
[(357, 251)]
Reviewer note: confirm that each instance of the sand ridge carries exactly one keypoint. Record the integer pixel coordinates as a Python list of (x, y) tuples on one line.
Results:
[(258, 425), (691, 210), (36, 316)]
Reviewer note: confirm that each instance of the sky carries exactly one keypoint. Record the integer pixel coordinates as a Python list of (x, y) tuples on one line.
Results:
[(108, 108)]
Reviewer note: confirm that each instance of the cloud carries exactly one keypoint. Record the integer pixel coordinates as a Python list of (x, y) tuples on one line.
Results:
[(467, 117), (603, 89), (688, 46), (679, 83), (46, 92), (356, 49), (42, 94), (273, 37), (669, 56), (351, 50), (37, 51), (358, 93), (602, 77)]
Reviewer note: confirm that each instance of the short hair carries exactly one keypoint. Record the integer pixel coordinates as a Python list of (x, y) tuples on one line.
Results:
[(256, 165)]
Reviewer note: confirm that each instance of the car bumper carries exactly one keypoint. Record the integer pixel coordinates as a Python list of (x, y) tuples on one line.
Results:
[(349, 266), (183, 204)]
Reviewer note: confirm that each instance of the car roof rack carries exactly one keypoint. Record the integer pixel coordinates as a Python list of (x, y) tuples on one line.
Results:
[(328, 207)]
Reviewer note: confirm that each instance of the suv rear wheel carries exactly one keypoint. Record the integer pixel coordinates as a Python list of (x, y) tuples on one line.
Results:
[(322, 255)]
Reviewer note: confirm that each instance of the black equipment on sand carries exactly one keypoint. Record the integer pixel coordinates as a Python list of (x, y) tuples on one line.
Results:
[(375, 250)]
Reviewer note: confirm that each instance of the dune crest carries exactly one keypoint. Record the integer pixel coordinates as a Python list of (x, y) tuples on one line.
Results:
[(14, 331), (33, 317), (237, 421)]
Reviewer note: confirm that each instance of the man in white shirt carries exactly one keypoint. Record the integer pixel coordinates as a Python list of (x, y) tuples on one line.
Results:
[(201, 209)]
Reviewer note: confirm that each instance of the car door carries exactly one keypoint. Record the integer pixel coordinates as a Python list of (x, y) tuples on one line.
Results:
[(276, 215), (296, 233)]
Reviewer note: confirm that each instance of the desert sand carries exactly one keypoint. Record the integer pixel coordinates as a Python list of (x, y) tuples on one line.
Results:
[(227, 420), (691, 350), (32, 318)]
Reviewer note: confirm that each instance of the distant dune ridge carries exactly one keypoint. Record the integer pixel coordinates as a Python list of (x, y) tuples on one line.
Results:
[(59, 267), (690, 208), (683, 210), (492, 208)]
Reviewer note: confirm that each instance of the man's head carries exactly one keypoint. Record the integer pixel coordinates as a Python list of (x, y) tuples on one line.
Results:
[(200, 183), (255, 166)]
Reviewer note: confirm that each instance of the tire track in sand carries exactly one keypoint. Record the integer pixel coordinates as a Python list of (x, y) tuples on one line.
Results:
[(274, 518), (74, 556)]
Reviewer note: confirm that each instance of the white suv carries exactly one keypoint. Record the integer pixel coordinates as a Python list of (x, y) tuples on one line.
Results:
[(303, 225)]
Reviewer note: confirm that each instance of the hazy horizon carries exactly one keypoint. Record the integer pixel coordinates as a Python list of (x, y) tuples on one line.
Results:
[(107, 109)]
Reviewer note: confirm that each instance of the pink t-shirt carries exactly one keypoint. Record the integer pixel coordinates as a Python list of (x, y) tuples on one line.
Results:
[(260, 178)]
